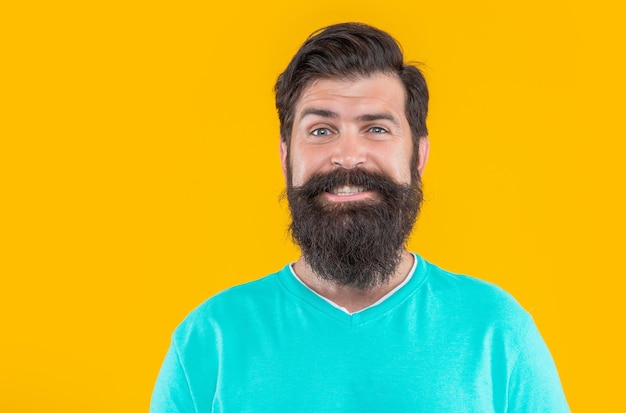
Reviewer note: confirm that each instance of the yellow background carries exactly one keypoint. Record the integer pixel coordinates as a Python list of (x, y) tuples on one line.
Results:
[(139, 175)]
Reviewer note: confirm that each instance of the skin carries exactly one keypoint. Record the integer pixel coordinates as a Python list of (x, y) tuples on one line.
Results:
[(352, 124)]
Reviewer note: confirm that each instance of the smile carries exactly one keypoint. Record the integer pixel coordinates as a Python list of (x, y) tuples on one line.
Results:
[(347, 190)]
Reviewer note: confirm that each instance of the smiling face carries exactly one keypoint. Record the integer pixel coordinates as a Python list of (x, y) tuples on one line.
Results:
[(352, 124), (353, 180)]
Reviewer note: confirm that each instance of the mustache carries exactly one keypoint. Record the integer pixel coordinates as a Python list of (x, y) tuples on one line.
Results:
[(370, 181)]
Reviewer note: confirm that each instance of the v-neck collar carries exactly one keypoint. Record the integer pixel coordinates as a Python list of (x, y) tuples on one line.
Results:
[(416, 277)]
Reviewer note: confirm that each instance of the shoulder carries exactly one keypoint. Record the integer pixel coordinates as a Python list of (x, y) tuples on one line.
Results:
[(231, 307), (251, 293), (492, 322), (468, 297), (467, 290)]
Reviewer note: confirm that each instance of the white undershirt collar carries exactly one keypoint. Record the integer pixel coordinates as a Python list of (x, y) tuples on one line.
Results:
[(383, 298)]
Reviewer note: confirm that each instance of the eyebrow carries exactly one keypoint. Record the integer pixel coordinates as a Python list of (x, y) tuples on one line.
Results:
[(379, 116), (319, 112), (369, 117)]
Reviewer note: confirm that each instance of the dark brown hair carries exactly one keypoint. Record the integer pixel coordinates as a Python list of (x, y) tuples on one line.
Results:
[(350, 51)]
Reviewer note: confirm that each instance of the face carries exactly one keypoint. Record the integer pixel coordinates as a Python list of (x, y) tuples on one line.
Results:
[(353, 188), (352, 124)]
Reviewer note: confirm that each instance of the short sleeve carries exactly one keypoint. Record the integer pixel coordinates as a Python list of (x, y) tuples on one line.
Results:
[(171, 392), (534, 384)]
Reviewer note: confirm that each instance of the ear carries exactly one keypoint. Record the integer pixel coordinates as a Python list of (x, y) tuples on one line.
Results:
[(283, 157), (424, 147)]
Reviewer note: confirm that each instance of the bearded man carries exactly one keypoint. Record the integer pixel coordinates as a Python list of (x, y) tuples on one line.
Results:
[(358, 323)]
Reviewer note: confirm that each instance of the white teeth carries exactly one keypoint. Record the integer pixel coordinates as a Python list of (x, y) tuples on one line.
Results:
[(347, 190)]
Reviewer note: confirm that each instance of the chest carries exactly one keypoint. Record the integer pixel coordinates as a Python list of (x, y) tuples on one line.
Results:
[(345, 369)]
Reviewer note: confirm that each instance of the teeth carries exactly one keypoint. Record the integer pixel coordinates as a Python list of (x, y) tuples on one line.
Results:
[(347, 190)]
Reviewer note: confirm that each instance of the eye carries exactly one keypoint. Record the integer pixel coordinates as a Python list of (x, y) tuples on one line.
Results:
[(377, 129), (321, 132)]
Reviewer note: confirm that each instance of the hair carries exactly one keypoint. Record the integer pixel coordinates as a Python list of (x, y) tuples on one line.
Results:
[(350, 51)]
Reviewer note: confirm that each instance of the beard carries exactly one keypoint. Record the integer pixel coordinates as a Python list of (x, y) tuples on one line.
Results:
[(358, 243)]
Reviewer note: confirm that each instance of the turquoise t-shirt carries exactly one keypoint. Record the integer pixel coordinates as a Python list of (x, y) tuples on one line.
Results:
[(441, 343)]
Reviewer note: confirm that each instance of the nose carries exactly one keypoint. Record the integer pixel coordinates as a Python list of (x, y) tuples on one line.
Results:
[(349, 151)]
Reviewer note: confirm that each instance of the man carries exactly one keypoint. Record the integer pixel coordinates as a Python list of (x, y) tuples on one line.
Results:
[(358, 323)]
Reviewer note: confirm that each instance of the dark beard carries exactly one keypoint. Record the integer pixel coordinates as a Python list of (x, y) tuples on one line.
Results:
[(360, 243)]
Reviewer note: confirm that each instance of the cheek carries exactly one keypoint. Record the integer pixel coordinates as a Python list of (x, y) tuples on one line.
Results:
[(304, 164), (396, 163)]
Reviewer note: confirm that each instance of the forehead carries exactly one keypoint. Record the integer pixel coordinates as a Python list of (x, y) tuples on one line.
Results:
[(378, 92)]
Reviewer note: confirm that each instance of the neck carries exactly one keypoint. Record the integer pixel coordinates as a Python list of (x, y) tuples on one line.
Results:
[(353, 298)]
